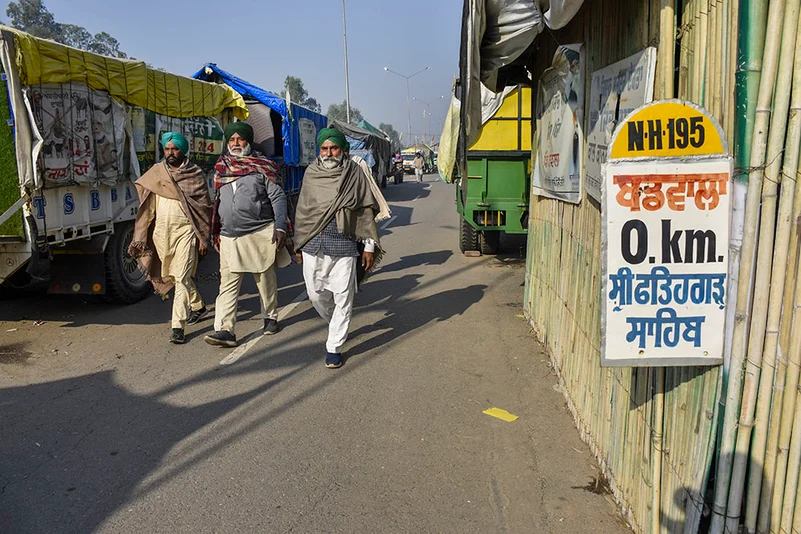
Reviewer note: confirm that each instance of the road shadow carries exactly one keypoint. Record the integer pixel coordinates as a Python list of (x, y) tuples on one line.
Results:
[(417, 260), (407, 191), (409, 315), (75, 451)]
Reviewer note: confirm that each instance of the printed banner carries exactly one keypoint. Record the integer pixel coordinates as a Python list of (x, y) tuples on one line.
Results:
[(666, 238), (83, 134), (308, 142), (615, 92), (559, 161), (205, 135)]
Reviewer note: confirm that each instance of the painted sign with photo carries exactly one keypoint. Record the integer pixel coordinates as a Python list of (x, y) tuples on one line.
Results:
[(615, 91), (666, 210), (558, 167), (83, 134)]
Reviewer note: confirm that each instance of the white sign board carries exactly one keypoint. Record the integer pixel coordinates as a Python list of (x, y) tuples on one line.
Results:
[(666, 206), (560, 136), (616, 91)]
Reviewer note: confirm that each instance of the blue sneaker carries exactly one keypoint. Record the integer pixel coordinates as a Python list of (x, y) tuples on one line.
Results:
[(333, 360)]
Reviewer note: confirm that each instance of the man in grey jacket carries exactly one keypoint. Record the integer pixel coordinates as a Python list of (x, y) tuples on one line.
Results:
[(249, 226)]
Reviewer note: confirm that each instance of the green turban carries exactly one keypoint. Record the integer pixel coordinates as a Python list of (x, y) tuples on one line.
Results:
[(335, 136), (177, 139), (244, 130)]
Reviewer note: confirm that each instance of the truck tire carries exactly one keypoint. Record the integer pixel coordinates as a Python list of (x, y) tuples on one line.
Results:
[(468, 237), (125, 283), (490, 242)]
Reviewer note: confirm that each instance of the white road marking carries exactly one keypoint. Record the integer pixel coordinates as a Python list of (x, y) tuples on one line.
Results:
[(388, 222), (256, 336)]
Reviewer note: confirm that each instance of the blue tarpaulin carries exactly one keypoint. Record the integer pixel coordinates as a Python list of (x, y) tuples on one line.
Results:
[(289, 129)]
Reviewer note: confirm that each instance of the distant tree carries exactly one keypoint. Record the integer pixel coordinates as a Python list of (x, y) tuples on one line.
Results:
[(32, 16), (106, 45), (340, 112), (394, 136), (299, 94)]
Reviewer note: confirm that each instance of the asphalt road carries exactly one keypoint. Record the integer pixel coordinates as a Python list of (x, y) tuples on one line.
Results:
[(106, 427)]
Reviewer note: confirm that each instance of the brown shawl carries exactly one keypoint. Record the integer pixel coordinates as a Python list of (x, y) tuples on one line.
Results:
[(186, 184), (343, 193)]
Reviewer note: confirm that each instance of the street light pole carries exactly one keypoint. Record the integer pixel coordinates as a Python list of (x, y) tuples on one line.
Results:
[(427, 113), (347, 83), (408, 100)]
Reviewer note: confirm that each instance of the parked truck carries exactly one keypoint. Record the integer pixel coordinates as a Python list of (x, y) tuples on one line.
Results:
[(77, 130), (493, 196)]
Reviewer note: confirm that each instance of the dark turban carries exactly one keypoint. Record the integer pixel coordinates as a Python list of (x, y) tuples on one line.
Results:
[(335, 136), (177, 139), (244, 130)]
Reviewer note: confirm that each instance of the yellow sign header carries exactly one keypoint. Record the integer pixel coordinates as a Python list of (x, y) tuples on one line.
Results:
[(669, 128)]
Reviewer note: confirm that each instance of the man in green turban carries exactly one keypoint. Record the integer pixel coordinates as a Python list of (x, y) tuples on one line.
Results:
[(335, 218), (250, 227), (173, 226)]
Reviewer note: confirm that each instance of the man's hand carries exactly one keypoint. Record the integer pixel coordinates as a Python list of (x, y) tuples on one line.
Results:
[(279, 238), (299, 257), (368, 258), (202, 248), (216, 242)]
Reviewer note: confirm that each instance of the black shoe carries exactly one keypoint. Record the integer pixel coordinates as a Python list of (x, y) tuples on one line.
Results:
[(333, 360), (177, 336), (221, 338), (196, 315), (271, 327)]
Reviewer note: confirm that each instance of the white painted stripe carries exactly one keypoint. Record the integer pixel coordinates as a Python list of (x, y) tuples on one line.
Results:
[(388, 222), (251, 340)]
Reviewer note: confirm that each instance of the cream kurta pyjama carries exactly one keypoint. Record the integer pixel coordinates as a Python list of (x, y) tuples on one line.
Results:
[(250, 253), (176, 246)]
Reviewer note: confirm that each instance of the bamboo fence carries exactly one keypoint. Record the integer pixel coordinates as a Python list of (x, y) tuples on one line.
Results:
[(693, 449)]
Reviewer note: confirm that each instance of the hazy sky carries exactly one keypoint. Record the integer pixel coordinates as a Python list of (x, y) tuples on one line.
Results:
[(265, 41)]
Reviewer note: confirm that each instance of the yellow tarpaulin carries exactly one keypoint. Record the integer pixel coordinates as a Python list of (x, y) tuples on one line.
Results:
[(41, 61)]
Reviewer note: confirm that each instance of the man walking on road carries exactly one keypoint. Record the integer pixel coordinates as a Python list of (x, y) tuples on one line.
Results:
[(173, 200), (418, 166), (335, 215), (250, 213)]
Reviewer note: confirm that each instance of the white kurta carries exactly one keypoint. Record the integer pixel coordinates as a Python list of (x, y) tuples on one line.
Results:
[(331, 286)]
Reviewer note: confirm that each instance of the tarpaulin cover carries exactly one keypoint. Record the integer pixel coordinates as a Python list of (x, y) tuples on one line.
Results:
[(44, 62), (495, 33), (293, 144), (377, 144)]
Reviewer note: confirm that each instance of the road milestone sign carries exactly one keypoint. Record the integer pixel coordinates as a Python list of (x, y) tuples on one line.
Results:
[(666, 206)]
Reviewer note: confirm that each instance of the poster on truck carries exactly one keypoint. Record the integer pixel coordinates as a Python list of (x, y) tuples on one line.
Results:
[(615, 91), (558, 168), (83, 134), (205, 137), (666, 209)]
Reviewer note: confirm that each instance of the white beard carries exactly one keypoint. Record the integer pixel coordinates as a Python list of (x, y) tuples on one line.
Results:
[(239, 151), (330, 162)]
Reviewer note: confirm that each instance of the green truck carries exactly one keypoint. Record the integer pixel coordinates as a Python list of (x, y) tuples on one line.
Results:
[(494, 196)]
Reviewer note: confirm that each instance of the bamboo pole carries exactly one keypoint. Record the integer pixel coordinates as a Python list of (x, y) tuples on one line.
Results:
[(761, 498), (667, 46), (791, 499), (725, 478), (761, 361)]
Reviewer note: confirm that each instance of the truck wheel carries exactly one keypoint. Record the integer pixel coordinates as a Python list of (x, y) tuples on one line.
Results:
[(490, 242), (468, 237), (124, 281)]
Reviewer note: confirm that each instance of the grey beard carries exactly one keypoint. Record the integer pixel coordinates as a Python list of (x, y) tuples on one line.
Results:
[(330, 162), (245, 151)]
